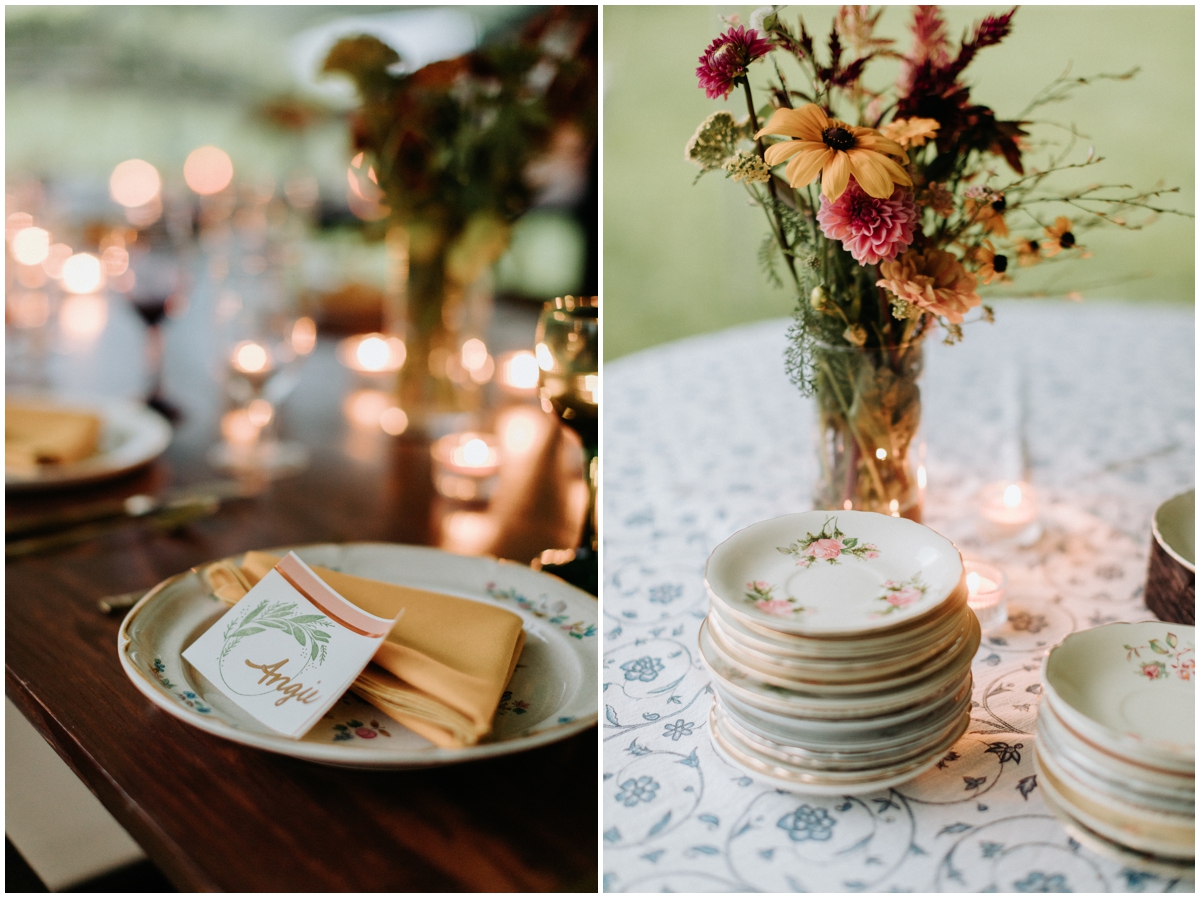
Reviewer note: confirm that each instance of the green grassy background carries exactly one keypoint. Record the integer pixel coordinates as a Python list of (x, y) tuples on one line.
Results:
[(681, 259)]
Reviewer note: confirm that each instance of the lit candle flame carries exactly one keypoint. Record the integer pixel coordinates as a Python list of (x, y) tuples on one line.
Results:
[(972, 583)]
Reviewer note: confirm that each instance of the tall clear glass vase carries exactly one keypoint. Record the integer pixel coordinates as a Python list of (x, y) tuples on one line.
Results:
[(435, 305), (868, 416)]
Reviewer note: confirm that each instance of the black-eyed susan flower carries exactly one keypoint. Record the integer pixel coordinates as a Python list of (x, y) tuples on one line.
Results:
[(992, 265), (1060, 237)]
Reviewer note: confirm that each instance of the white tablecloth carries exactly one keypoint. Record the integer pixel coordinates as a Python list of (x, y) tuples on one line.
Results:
[(705, 436)]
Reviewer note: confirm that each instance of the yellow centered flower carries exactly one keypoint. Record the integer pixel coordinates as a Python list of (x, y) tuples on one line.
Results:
[(834, 150)]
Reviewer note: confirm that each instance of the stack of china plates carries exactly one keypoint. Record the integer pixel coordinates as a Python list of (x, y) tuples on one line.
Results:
[(840, 645), (1116, 748)]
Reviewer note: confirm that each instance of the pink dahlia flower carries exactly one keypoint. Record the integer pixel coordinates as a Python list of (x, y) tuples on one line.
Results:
[(726, 59), (870, 229)]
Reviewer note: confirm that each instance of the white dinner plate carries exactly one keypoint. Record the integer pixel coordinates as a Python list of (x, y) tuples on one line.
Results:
[(834, 572), (131, 435), (552, 694)]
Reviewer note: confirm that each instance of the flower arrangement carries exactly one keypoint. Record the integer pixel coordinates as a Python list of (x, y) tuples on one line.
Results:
[(888, 211), (456, 151)]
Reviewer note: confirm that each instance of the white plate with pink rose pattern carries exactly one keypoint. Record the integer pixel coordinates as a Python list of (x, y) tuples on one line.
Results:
[(833, 572)]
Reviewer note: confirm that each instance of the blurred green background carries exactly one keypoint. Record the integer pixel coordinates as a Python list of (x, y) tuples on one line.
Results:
[(681, 259)]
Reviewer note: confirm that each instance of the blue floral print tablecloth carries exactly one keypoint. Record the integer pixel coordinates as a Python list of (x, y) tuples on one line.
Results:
[(705, 436)]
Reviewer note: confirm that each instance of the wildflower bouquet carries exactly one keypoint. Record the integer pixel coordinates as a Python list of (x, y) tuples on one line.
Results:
[(454, 153), (887, 210)]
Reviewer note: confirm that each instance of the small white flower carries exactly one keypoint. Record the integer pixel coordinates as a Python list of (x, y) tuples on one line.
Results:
[(759, 16)]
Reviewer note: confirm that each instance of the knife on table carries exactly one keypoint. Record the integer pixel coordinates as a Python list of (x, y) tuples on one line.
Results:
[(136, 506)]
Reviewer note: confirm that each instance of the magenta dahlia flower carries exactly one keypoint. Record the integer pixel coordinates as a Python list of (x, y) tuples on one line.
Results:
[(726, 59), (870, 229)]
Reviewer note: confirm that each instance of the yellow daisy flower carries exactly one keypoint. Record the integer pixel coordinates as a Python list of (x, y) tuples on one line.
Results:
[(835, 151), (910, 132)]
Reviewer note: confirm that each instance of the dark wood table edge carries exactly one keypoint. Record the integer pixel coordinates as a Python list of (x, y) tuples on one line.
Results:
[(162, 851)]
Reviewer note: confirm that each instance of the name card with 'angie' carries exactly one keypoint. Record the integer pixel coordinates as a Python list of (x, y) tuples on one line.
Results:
[(289, 649)]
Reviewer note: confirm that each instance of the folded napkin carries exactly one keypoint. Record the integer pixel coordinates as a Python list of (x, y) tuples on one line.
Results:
[(36, 435), (442, 669)]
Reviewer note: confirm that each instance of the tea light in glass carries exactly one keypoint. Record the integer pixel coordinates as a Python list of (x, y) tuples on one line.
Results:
[(465, 466), (985, 593), (1009, 510)]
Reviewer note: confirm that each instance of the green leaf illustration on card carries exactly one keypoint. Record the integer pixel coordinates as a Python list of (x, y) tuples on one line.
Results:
[(304, 628)]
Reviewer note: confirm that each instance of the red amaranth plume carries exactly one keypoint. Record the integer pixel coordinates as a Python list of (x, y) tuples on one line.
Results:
[(988, 33)]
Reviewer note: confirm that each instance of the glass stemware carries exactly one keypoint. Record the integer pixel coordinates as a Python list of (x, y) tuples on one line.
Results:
[(264, 339), (568, 351), (158, 282)]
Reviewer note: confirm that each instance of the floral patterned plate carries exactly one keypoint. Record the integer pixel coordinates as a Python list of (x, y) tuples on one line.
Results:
[(1172, 842), (1156, 826), (551, 696), (1136, 860), (1131, 688), (791, 780), (863, 654), (840, 707), (1103, 771), (834, 573), (849, 735), (805, 679), (897, 750)]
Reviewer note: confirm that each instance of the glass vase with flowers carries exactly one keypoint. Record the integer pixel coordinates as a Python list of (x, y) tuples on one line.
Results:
[(449, 147), (887, 212)]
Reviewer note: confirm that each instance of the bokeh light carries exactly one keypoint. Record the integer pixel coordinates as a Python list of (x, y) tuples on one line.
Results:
[(30, 309), (134, 183), (56, 258), (31, 246), (208, 170), (304, 336), (365, 408), (82, 273), (83, 317), (520, 370), (249, 357), (393, 421)]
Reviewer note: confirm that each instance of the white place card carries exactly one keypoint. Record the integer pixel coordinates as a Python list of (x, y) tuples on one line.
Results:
[(289, 649)]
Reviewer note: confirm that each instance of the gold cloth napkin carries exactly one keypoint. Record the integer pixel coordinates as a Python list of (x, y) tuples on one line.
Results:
[(442, 669), (36, 435)]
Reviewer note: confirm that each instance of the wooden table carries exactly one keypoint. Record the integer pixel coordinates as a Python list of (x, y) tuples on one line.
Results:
[(217, 816)]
